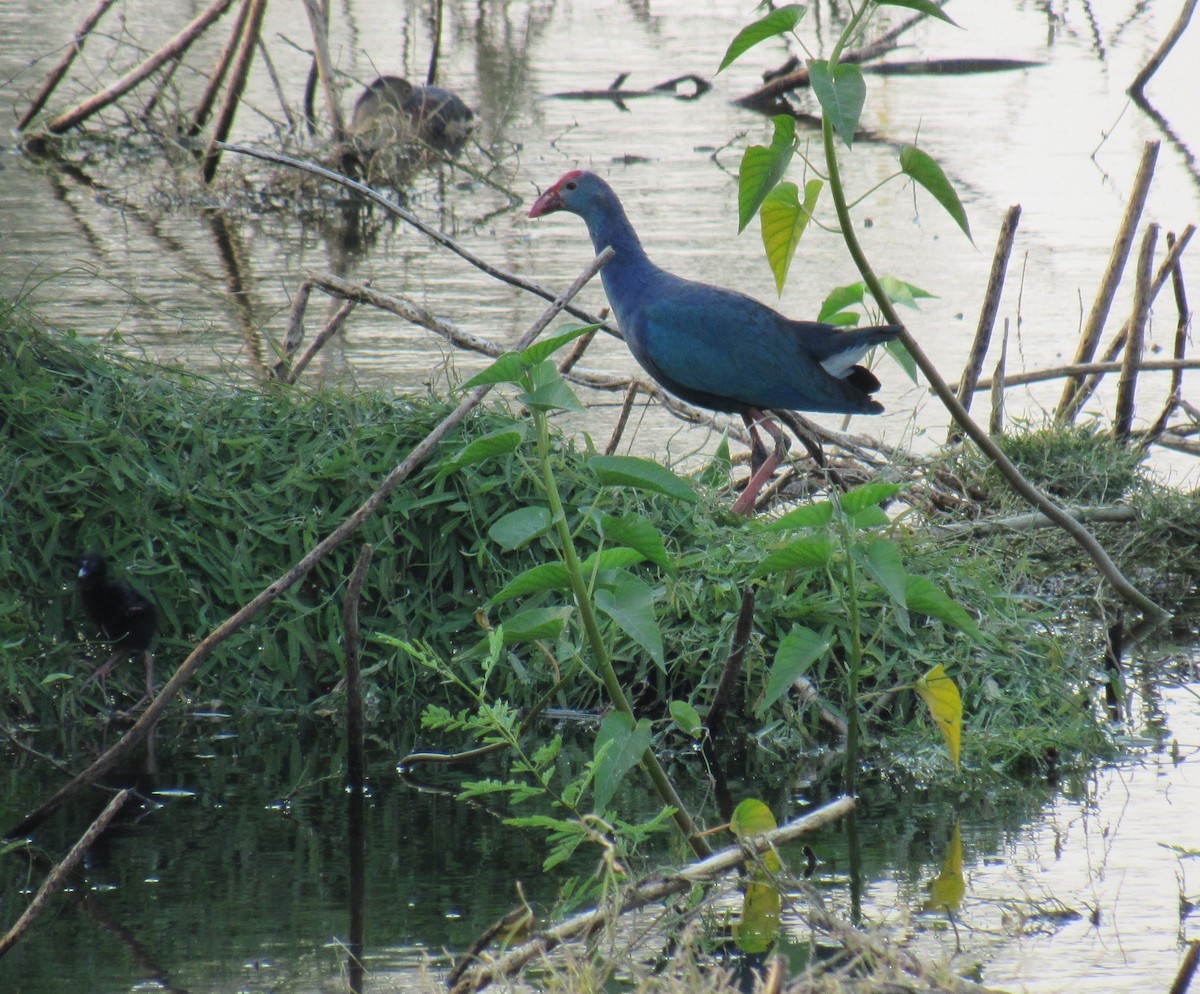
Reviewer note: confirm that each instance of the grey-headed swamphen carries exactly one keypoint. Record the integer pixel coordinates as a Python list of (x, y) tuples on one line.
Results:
[(718, 348), (124, 617)]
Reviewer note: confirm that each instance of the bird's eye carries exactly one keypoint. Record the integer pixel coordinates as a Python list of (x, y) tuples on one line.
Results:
[(572, 185)]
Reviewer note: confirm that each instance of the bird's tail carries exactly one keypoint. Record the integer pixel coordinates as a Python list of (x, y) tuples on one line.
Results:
[(839, 351)]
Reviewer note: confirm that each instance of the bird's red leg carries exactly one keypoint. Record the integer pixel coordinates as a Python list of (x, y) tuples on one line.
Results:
[(761, 473)]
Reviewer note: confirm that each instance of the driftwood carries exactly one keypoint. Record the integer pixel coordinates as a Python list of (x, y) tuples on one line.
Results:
[(618, 96), (1138, 86)]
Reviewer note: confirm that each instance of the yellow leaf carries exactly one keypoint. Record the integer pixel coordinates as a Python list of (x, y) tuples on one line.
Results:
[(759, 926), (751, 818), (946, 891), (941, 696)]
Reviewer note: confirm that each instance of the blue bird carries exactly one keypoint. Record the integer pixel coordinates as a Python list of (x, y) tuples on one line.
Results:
[(718, 348)]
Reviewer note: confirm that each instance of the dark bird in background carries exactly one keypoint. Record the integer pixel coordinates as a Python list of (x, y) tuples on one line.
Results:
[(391, 110), (123, 616), (718, 348)]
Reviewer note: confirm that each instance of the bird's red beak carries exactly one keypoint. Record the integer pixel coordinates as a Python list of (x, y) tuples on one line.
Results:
[(547, 203), (551, 200)]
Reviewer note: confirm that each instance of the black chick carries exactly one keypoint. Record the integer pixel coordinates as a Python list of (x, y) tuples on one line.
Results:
[(124, 616)]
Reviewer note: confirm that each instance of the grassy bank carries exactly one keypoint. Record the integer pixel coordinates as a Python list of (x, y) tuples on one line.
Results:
[(207, 491)]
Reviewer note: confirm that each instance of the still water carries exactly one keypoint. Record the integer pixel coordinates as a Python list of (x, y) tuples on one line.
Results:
[(132, 255), (235, 877), (237, 881)]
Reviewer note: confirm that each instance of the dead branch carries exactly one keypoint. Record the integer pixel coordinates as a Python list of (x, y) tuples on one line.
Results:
[(317, 18), (1034, 520), (582, 925), (1127, 385), (209, 97), (57, 876), (1089, 368), (291, 577), (60, 70), (171, 50), (1114, 349), (991, 307), (1138, 85), (1175, 395), (1071, 401), (289, 374), (237, 83)]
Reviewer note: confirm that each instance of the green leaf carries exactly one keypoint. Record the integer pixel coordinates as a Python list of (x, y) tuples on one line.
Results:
[(547, 576), (537, 623), (511, 366), (926, 597), (800, 648), (900, 292), (618, 557), (497, 443), (921, 167), (637, 532), (810, 552), (841, 298), (686, 719), (540, 351), (815, 515), (783, 220), (841, 94), (549, 391), (763, 166), (629, 601), (520, 527), (923, 6), (886, 567), (778, 22), (867, 495), (642, 474), (619, 747)]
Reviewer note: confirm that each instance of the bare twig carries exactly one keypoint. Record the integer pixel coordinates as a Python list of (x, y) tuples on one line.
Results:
[(289, 374), (1138, 85), (355, 765), (996, 421), (1127, 386), (291, 577), (1035, 519), (208, 98), (1181, 329), (60, 70), (237, 83), (614, 440), (1089, 368), (171, 50), (1160, 278), (1071, 401), (582, 925), (59, 874), (441, 238), (318, 16), (987, 315)]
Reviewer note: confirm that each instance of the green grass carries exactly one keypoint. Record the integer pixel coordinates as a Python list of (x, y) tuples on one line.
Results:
[(207, 491)]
